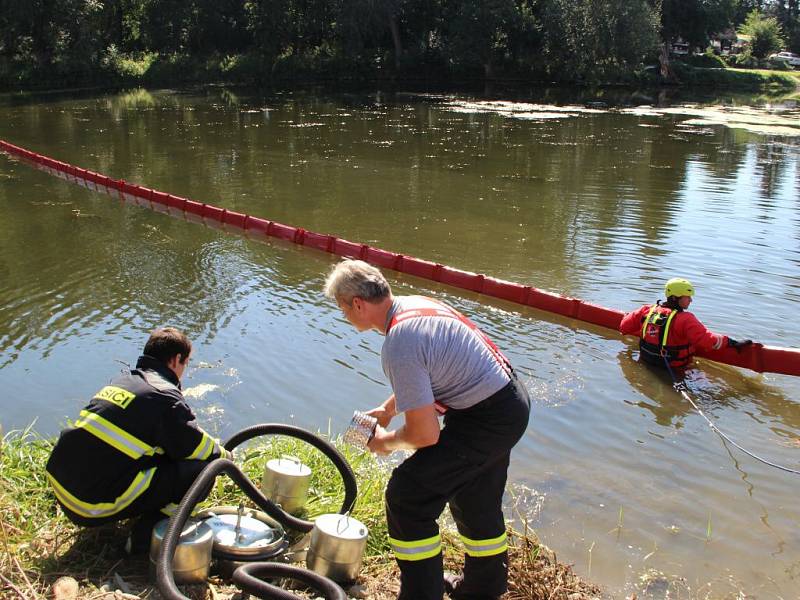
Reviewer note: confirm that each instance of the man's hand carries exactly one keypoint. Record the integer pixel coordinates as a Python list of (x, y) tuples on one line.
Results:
[(379, 442), (383, 416), (737, 345), (421, 429), (385, 412)]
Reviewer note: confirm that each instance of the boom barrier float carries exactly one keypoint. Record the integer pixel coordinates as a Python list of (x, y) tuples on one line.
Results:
[(757, 357)]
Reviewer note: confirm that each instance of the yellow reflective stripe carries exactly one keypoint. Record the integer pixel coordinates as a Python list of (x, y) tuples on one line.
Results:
[(169, 509), (204, 448), (103, 509), (416, 549), (647, 320), (666, 327), (488, 547), (113, 435)]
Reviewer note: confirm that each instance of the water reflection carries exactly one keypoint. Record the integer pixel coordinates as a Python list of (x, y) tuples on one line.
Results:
[(601, 205), (716, 390)]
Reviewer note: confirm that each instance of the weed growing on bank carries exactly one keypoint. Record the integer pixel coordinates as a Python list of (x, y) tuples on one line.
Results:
[(38, 545)]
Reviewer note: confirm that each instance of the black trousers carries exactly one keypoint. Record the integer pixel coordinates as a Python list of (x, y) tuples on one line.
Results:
[(170, 482), (467, 469)]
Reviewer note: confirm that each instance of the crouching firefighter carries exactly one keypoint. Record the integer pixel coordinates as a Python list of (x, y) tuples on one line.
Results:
[(668, 334), (135, 448), (439, 362)]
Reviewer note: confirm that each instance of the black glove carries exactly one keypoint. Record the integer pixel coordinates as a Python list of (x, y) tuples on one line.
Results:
[(732, 343)]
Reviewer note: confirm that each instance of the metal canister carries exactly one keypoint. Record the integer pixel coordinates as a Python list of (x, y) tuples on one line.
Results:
[(337, 547), (286, 482), (362, 428), (243, 535), (192, 558)]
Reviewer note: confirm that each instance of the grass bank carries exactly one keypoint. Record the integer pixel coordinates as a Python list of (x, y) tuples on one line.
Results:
[(789, 75), (39, 545), (736, 79)]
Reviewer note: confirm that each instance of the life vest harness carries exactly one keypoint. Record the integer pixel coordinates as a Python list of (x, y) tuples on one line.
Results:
[(653, 341)]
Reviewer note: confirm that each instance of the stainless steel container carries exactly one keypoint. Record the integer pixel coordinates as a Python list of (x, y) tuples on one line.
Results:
[(362, 428), (192, 558), (286, 482), (242, 535), (337, 547)]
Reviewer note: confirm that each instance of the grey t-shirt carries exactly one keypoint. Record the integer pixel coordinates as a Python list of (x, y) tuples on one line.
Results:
[(429, 358)]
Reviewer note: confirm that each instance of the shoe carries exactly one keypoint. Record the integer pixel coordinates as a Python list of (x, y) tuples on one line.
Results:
[(138, 541), (451, 584)]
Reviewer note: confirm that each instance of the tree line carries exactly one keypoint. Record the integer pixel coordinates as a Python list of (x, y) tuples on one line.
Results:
[(568, 40)]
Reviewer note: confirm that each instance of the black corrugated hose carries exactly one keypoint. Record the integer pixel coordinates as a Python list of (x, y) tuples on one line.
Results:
[(248, 579)]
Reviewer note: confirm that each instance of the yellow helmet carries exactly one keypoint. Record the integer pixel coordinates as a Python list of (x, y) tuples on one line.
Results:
[(678, 287)]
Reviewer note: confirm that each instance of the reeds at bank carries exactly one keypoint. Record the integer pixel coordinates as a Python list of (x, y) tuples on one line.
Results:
[(38, 545)]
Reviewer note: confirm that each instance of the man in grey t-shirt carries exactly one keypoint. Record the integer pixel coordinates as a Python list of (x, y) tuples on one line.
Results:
[(438, 362)]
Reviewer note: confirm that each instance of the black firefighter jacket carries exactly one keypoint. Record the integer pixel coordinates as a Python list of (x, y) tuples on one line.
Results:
[(109, 456)]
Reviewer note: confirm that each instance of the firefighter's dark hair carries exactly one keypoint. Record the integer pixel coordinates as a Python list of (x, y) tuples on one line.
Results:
[(166, 342)]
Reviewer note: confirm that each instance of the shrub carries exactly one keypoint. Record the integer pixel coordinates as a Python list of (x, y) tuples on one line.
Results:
[(709, 60), (765, 34), (745, 60), (777, 64)]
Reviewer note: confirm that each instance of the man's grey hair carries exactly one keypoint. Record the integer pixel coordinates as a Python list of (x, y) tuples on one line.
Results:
[(355, 278)]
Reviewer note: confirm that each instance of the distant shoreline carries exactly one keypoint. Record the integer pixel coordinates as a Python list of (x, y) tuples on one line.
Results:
[(155, 71)]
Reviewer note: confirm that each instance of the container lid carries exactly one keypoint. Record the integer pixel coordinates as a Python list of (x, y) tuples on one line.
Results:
[(194, 531), (246, 535), (288, 465), (343, 527)]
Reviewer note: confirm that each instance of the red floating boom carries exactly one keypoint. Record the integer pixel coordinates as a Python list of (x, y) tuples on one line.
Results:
[(756, 357)]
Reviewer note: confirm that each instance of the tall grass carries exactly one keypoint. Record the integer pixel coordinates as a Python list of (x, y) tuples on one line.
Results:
[(38, 544)]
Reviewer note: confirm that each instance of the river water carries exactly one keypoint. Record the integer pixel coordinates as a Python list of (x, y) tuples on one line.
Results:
[(617, 473)]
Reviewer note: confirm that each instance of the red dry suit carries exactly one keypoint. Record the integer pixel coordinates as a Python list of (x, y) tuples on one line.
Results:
[(674, 332)]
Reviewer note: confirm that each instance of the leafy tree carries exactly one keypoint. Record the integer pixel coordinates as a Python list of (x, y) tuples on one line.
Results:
[(587, 39), (269, 25), (745, 7), (43, 33), (197, 26), (526, 41), (367, 23), (695, 21), (765, 34), (788, 14), (220, 26), (477, 31)]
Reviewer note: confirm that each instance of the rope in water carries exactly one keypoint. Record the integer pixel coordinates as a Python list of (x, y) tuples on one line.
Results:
[(683, 390)]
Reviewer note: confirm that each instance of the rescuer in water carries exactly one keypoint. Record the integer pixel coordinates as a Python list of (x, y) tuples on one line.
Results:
[(437, 361), (667, 332), (136, 448)]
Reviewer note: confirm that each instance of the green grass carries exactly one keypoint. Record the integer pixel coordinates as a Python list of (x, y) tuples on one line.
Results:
[(326, 492), (795, 74), (38, 544), (740, 79)]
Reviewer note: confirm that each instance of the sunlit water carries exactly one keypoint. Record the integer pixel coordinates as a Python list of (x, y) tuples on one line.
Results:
[(617, 473)]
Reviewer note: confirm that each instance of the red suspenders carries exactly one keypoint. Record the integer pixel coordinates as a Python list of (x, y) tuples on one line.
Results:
[(445, 311)]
